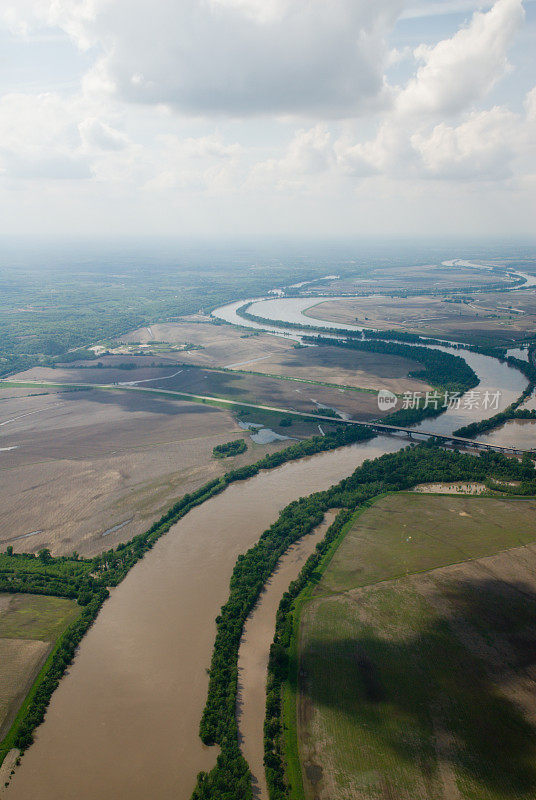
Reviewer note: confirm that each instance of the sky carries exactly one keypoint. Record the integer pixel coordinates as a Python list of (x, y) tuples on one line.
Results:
[(268, 117)]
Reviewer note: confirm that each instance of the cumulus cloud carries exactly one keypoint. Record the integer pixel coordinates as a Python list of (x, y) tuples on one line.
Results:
[(483, 146), (492, 145), (236, 57), (281, 58), (49, 136), (461, 70), (310, 153)]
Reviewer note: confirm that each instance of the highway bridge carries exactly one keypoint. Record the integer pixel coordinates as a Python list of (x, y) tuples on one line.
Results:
[(444, 438)]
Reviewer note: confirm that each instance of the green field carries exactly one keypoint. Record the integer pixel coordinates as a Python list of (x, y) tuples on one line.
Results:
[(415, 677), (29, 627), (32, 616), (406, 533)]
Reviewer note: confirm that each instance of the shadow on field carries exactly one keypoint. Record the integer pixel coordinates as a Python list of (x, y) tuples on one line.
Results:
[(436, 690), (139, 401)]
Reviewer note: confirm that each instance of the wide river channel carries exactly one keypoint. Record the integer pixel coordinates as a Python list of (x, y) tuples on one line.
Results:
[(124, 721)]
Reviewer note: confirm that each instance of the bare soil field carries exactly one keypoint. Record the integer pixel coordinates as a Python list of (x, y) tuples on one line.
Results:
[(29, 625), (222, 345), (21, 661), (237, 386), (85, 470), (418, 678), (349, 368), (232, 348), (476, 321), (415, 278)]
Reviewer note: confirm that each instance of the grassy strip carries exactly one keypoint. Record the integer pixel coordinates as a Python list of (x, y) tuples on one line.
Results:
[(394, 472)]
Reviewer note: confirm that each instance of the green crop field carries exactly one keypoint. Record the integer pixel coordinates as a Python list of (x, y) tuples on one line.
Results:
[(416, 655), (405, 533), (29, 627), (31, 616)]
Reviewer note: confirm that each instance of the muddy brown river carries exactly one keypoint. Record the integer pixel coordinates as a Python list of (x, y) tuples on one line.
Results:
[(124, 721)]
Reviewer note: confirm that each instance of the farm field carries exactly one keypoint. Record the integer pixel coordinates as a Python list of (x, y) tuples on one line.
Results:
[(29, 626), (222, 345), (229, 347), (85, 470), (482, 318), (409, 277), (416, 658), (237, 386), (346, 367)]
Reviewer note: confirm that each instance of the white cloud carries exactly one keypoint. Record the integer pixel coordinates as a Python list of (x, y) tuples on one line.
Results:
[(192, 99), (39, 138), (483, 146), (457, 72), (49, 136), (98, 135), (310, 153), (234, 57), (194, 163)]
